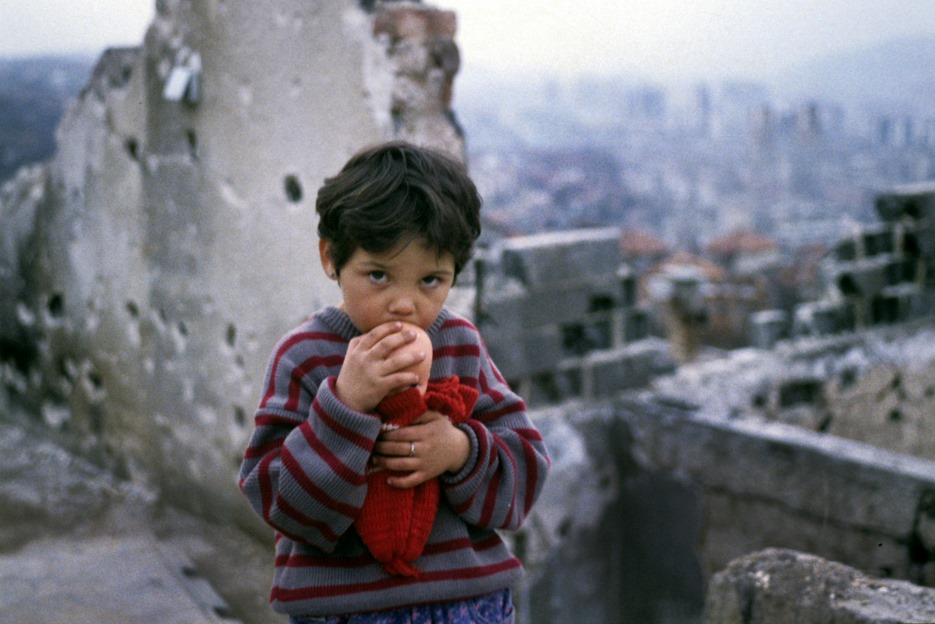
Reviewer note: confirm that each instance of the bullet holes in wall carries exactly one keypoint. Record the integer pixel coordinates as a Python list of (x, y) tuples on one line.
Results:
[(56, 305), (293, 189), (801, 392), (240, 416), (396, 114), (95, 380), (192, 140), (848, 378), (133, 148)]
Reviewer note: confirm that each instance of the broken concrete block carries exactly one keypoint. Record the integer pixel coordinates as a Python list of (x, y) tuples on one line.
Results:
[(920, 304), (608, 373), (878, 241), (911, 201), (543, 261), (846, 250), (558, 305), (768, 327), (504, 311), (925, 238), (864, 278), (777, 585), (821, 318), (519, 355), (901, 271), (627, 293), (636, 323)]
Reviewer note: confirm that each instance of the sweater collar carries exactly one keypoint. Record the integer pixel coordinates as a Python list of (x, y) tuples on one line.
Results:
[(340, 323)]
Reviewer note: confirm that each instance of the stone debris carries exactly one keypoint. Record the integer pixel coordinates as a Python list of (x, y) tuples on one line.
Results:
[(778, 586), (874, 386), (46, 490)]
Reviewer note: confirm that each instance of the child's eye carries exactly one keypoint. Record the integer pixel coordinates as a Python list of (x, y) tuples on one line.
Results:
[(432, 280), (377, 276)]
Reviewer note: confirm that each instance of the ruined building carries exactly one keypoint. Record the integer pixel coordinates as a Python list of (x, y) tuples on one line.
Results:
[(149, 267), (819, 441)]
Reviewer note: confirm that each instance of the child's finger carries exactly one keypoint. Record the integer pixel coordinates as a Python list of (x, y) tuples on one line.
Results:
[(385, 448), (407, 481), (392, 343), (378, 333), (399, 362)]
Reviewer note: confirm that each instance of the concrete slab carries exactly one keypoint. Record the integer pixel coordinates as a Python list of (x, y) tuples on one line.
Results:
[(105, 580)]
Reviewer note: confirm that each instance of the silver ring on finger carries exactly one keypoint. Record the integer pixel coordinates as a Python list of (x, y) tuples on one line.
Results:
[(412, 449)]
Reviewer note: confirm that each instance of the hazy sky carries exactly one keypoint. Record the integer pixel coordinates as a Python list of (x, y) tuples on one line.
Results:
[(657, 38)]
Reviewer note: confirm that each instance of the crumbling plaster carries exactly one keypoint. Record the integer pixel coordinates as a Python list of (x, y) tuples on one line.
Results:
[(874, 386), (150, 267)]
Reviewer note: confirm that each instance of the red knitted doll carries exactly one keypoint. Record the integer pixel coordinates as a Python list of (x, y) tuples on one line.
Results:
[(395, 523)]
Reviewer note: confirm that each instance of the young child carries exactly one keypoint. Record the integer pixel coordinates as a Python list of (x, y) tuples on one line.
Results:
[(396, 226)]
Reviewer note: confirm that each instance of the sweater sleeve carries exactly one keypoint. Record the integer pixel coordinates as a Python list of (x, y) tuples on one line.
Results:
[(508, 462), (304, 469)]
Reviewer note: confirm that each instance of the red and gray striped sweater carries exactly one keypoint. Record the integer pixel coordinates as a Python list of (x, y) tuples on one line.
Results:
[(305, 473)]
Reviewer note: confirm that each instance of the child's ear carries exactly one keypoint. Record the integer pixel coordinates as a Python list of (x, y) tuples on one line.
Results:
[(324, 252)]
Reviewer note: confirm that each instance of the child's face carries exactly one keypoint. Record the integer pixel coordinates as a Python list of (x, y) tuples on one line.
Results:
[(407, 283)]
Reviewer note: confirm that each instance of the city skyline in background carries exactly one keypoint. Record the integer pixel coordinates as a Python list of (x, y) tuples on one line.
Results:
[(663, 40)]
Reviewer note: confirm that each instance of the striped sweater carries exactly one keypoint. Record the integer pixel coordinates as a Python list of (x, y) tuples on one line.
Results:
[(305, 473)]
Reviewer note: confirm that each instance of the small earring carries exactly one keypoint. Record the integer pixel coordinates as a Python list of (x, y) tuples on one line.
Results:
[(332, 275)]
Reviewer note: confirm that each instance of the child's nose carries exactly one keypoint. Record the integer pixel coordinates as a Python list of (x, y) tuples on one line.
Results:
[(402, 305)]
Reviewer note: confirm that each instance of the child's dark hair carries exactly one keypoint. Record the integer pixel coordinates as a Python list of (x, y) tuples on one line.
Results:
[(396, 191)]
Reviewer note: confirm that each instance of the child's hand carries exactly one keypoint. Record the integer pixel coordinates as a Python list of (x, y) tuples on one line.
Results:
[(439, 447), (373, 368)]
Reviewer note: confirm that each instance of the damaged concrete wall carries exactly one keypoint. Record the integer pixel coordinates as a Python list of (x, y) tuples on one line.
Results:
[(559, 315), (731, 455), (648, 500), (876, 275), (148, 269), (874, 386), (861, 361), (610, 539)]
